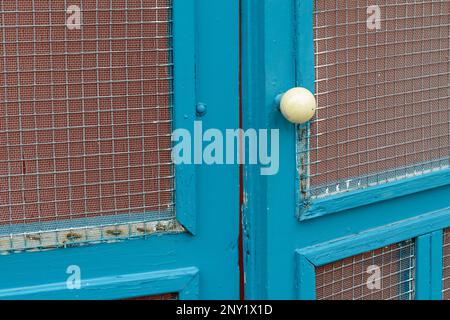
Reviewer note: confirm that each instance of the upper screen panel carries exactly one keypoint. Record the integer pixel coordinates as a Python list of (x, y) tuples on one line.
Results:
[(382, 85), (86, 115)]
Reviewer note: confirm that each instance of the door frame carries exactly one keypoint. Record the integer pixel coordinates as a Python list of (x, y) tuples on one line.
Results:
[(278, 238), (201, 263)]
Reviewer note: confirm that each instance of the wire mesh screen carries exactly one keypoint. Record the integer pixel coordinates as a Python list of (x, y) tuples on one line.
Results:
[(85, 119), (161, 297), (383, 274), (446, 265), (382, 91)]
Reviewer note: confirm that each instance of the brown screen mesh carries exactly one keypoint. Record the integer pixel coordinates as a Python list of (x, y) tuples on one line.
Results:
[(85, 117), (446, 264), (383, 94), (383, 274), (160, 297)]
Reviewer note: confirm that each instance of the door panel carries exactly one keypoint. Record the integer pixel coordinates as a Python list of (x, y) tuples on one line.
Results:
[(87, 123), (381, 124), (389, 271), (446, 266), (382, 94), (88, 181)]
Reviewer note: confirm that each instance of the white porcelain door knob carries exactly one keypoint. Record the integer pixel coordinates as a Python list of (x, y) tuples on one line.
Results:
[(298, 105)]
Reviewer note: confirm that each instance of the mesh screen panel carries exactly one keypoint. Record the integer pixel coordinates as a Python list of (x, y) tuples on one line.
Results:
[(446, 265), (85, 118), (348, 279), (161, 297), (383, 95)]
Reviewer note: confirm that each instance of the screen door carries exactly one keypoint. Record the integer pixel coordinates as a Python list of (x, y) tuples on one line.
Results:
[(381, 81), (362, 196), (383, 93), (91, 93), (347, 279), (86, 120)]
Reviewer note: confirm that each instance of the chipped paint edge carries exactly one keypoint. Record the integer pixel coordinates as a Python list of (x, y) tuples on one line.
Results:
[(74, 237)]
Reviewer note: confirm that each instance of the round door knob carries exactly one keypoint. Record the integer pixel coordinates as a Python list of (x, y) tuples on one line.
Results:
[(298, 105)]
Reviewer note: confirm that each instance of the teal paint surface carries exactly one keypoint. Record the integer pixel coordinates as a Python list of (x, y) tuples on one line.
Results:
[(437, 264), (417, 226), (304, 38), (305, 77), (306, 278), (185, 282), (255, 112), (184, 114), (268, 70), (423, 267), (204, 265)]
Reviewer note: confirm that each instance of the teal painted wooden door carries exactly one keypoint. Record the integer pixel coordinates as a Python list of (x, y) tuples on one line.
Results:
[(92, 205), (360, 205)]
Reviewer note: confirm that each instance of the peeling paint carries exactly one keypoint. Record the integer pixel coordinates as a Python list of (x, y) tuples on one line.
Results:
[(40, 241)]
